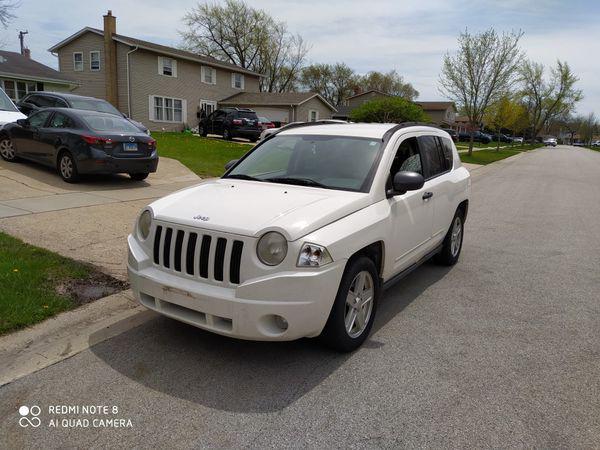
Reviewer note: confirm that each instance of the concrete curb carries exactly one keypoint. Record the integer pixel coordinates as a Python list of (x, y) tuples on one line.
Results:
[(67, 334)]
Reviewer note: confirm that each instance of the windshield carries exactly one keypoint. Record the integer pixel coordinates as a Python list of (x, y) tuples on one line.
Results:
[(94, 105), (333, 162), (5, 103), (103, 123)]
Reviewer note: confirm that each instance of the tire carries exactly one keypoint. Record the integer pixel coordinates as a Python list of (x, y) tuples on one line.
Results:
[(336, 334), (227, 134), (7, 149), (67, 168), (202, 131), (139, 176), (452, 244)]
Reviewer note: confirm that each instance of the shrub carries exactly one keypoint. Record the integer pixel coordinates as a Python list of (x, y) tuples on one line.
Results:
[(389, 110)]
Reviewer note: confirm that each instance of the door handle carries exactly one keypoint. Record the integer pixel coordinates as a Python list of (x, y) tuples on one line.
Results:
[(427, 195)]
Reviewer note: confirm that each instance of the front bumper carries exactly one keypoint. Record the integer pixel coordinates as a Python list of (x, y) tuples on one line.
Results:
[(248, 311), (105, 164)]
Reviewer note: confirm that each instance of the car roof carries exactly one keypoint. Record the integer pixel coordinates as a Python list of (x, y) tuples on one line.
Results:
[(367, 130), (66, 95), (77, 112)]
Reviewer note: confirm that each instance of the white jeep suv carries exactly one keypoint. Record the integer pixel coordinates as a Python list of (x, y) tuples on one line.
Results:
[(301, 235)]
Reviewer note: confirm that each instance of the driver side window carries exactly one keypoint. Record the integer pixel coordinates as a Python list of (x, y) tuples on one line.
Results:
[(408, 158)]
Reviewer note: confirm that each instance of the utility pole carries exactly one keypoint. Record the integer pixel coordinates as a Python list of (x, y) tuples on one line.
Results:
[(21, 39)]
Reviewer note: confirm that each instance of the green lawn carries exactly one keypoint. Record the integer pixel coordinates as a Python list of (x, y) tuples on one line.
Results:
[(487, 156), (35, 283), (204, 156)]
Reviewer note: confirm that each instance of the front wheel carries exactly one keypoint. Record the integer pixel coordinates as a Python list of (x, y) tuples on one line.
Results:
[(202, 131), (67, 168), (7, 149), (227, 134), (353, 311), (452, 244)]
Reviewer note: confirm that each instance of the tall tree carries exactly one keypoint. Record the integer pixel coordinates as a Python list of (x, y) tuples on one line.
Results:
[(502, 115), (334, 82), (389, 110), (548, 98), (480, 72), (248, 37), (588, 128), (7, 12), (391, 83)]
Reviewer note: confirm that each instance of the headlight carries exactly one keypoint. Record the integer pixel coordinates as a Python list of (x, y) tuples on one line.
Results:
[(144, 223), (271, 248), (313, 255)]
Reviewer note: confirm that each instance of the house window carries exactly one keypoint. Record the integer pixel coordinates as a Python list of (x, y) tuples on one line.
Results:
[(209, 75), (207, 107), (95, 61), (167, 109), (167, 67), (9, 88), (313, 115), (78, 62), (237, 81), (16, 90)]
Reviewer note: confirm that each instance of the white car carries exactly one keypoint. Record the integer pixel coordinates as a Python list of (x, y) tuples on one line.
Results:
[(8, 113), (301, 235), (270, 131), (517, 140), (550, 141)]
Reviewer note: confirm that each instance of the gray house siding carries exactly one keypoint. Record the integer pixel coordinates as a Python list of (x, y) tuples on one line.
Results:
[(303, 110), (91, 83)]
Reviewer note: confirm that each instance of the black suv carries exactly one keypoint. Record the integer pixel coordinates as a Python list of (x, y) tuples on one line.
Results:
[(230, 123), (39, 100)]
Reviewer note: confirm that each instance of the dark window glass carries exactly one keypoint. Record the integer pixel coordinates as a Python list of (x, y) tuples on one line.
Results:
[(431, 155), (61, 121), (407, 158), (39, 118), (446, 153)]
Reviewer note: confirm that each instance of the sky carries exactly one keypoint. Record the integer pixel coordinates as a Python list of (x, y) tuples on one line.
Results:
[(410, 36)]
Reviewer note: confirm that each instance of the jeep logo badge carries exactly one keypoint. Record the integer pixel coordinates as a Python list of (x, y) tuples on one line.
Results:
[(202, 218)]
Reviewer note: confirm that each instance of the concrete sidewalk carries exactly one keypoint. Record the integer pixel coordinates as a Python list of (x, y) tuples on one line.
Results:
[(88, 221)]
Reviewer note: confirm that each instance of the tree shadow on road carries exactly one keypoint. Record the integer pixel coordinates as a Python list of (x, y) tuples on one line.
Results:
[(242, 376)]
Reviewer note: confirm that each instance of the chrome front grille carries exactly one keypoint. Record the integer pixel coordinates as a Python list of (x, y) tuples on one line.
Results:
[(201, 255)]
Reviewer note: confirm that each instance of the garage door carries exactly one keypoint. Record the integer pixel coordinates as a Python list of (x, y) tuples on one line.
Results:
[(274, 114)]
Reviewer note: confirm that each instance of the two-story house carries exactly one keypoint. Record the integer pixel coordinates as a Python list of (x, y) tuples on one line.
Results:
[(163, 87)]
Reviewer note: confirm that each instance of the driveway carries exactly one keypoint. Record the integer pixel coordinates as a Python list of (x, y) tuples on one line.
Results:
[(88, 221), (501, 350)]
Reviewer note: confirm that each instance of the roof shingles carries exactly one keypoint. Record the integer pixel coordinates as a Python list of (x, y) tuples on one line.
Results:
[(19, 66)]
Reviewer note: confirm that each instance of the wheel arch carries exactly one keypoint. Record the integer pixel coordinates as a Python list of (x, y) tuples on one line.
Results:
[(375, 252), (464, 207), (59, 151)]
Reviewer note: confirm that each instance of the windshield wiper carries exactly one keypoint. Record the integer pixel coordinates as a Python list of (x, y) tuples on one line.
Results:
[(243, 176), (299, 181)]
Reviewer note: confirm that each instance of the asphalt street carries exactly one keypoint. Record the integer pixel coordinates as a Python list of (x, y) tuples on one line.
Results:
[(501, 350)]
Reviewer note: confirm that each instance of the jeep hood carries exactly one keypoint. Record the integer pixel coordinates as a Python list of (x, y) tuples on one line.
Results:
[(250, 208), (10, 116)]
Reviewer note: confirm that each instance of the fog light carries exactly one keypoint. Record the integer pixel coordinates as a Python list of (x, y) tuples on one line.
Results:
[(280, 322)]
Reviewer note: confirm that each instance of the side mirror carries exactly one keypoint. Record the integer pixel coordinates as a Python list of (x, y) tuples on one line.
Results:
[(406, 181), (231, 163), (23, 122)]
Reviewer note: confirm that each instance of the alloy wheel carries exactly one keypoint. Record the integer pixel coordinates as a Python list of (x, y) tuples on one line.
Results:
[(66, 167), (6, 149), (359, 304), (456, 237)]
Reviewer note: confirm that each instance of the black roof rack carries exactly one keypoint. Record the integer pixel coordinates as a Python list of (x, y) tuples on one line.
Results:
[(388, 134)]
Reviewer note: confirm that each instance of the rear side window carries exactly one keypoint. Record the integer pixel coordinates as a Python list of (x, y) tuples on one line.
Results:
[(446, 153), (432, 154)]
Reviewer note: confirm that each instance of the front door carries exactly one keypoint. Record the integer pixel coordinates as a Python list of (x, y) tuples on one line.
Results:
[(27, 139), (411, 213)]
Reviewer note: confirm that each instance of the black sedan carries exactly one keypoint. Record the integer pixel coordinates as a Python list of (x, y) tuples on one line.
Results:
[(79, 142)]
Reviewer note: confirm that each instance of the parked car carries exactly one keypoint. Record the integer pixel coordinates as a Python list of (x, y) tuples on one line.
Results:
[(79, 142), (478, 136), (550, 141), (301, 235), (499, 137), (42, 99), (270, 131), (596, 144), (231, 123), (265, 123), (8, 111), (453, 134), (578, 144), (517, 140)]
